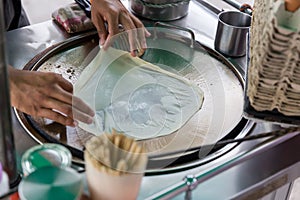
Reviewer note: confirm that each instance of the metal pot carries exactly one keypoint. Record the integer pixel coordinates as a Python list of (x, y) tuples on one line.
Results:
[(163, 10)]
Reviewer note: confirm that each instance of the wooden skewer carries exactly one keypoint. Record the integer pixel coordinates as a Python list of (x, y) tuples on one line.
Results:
[(115, 150), (107, 159), (128, 144), (136, 154), (121, 166)]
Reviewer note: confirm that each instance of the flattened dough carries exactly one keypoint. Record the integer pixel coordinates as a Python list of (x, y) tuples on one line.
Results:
[(135, 97)]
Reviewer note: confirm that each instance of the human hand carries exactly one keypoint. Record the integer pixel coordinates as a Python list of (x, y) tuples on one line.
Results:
[(48, 95), (114, 13), (292, 5)]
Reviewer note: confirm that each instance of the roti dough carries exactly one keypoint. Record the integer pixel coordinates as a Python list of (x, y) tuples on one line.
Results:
[(135, 97)]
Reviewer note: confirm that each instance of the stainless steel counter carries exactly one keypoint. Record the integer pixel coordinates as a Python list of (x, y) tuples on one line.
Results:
[(274, 164)]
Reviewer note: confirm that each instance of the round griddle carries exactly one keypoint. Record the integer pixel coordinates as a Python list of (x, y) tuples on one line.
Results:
[(220, 117)]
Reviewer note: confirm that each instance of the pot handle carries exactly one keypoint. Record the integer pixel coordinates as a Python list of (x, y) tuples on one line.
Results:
[(171, 26)]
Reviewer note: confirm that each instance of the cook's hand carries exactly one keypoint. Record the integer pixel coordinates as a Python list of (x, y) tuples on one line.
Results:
[(47, 95), (292, 5), (114, 13)]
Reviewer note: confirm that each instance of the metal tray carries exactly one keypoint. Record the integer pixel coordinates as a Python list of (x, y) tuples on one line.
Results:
[(219, 119)]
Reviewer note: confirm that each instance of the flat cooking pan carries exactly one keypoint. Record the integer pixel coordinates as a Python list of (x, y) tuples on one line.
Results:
[(174, 50)]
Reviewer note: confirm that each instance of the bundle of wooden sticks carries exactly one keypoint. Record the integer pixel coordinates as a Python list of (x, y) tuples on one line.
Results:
[(115, 154)]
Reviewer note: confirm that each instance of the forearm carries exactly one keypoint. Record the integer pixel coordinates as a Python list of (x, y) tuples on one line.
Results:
[(292, 5), (48, 95), (288, 14)]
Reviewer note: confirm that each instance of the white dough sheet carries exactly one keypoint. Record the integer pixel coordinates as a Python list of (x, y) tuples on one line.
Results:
[(135, 97)]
